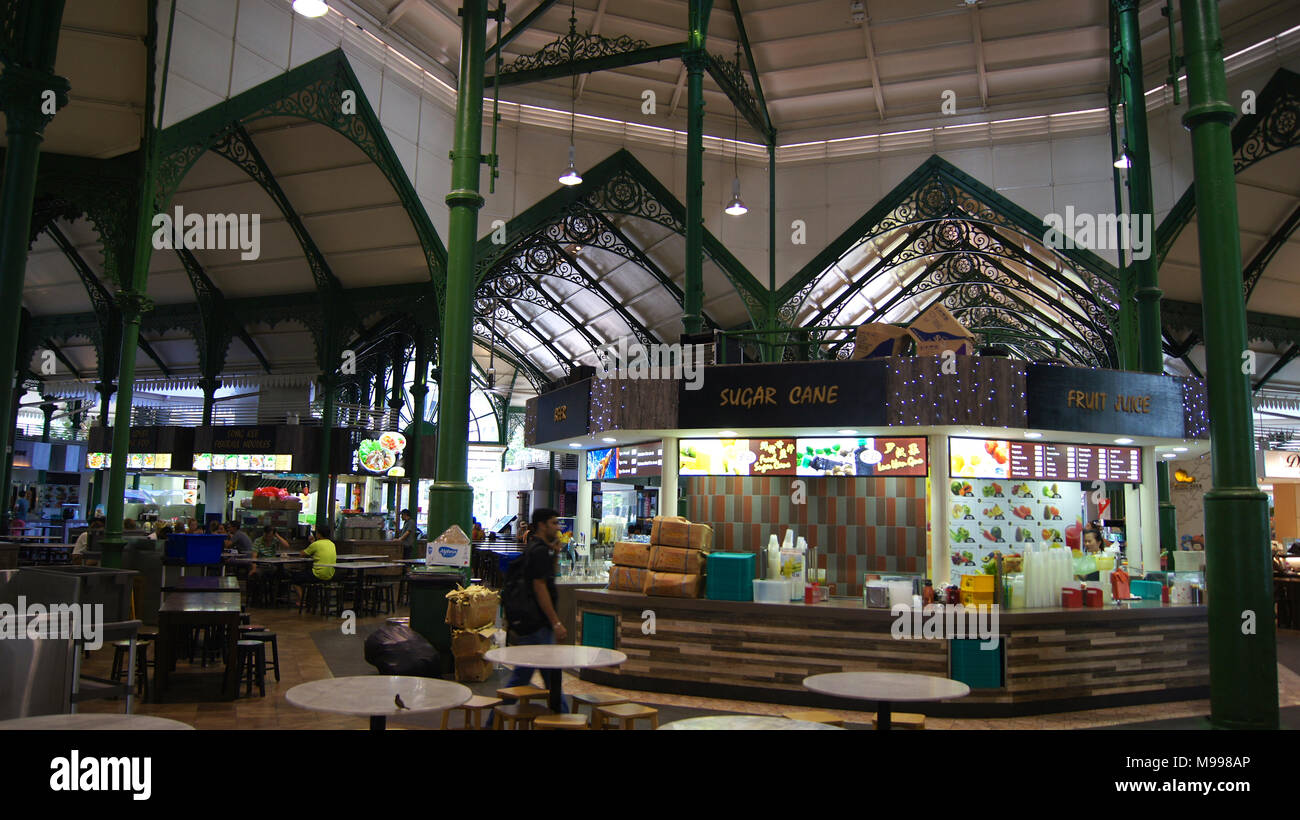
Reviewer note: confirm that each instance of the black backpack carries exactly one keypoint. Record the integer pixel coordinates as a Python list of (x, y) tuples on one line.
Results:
[(523, 613)]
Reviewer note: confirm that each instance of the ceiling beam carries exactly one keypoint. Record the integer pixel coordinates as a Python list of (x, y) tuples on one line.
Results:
[(768, 130), (608, 62), (1283, 360), (595, 29), (979, 55), (149, 351), (214, 311), (399, 11), (677, 91), (510, 35), (871, 58), (631, 321), (58, 354), (1254, 270)]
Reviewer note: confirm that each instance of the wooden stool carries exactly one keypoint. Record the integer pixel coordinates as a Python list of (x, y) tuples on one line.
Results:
[(903, 720), (595, 700), (560, 722), (817, 716), (627, 714), (518, 715), (473, 708), (522, 694), (251, 667)]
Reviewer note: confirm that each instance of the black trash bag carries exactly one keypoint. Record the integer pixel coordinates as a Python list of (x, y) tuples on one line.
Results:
[(395, 649)]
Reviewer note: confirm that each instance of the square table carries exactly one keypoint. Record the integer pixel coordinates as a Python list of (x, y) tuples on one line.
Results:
[(180, 612), (359, 568)]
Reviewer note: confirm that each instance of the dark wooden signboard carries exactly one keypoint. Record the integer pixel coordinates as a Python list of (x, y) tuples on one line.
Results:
[(785, 395), (564, 413), (1104, 401)]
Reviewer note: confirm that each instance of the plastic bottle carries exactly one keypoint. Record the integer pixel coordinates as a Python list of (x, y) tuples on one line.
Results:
[(792, 567)]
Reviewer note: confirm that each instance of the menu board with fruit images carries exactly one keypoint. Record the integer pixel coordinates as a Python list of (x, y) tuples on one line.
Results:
[(986, 516)]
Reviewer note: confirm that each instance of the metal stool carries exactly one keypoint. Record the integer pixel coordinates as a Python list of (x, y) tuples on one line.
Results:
[(903, 720), (267, 637), (627, 714), (122, 651)]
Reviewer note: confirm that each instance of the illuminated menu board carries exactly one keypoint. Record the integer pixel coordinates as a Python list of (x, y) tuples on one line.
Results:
[(134, 461), (1044, 461), (640, 460), (804, 457)]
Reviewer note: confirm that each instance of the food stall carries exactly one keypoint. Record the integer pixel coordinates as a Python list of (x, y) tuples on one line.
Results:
[(162, 485), (900, 472)]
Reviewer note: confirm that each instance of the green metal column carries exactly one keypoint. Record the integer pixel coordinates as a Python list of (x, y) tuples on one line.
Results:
[(1243, 649), (329, 388), (47, 407), (419, 392), (99, 478), (696, 59), (28, 89), (209, 387), (1150, 349), (451, 501)]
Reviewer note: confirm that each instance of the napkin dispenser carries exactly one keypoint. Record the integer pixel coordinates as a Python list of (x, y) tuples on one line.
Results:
[(876, 595)]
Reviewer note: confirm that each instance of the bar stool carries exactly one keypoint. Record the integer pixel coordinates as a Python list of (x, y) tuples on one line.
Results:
[(266, 637), (382, 594), (518, 715), (595, 700), (627, 714), (473, 708), (560, 722), (522, 694), (121, 652), (903, 720), (252, 665), (817, 716)]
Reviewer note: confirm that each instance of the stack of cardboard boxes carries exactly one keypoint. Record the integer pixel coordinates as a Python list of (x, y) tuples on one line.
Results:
[(672, 564), (472, 614)]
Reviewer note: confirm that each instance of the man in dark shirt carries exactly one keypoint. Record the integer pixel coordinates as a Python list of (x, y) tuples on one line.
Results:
[(539, 572), (238, 539)]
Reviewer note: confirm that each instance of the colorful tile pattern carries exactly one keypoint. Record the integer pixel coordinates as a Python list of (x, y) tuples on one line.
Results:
[(858, 525)]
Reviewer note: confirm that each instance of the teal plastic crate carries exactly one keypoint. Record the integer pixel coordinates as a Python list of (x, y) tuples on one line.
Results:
[(730, 576), (1146, 590), (598, 630), (977, 668)]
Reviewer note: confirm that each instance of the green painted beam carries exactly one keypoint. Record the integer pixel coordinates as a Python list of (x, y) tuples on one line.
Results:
[(1254, 269), (522, 26), (59, 354), (738, 94), (767, 130), (215, 312), (1283, 360), (653, 54)]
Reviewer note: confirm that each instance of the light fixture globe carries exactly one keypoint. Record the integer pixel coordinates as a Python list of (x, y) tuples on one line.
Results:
[(310, 8), (736, 207), (570, 175)]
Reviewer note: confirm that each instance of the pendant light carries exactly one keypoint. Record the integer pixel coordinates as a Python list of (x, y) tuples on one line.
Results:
[(571, 175), (1124, 161), (737, 206), (310, 8)]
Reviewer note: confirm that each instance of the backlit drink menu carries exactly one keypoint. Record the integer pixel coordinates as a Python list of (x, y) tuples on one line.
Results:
[(1074, 462)]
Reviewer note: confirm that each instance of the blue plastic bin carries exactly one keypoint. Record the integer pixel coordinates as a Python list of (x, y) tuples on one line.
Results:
[(730, 576), (1146, 590), (195, 548)]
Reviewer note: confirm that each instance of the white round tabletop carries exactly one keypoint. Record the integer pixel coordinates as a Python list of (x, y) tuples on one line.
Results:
[(376, 695), (886, 686), (556, 656), (761, 723), (90, 722)]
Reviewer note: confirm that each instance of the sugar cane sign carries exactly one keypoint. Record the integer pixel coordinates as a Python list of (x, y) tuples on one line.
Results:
[(791, 395)]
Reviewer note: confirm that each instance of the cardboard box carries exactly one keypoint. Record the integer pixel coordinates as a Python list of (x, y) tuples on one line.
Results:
[(675, 585), (877, 339), (471, 643), (261, 502), (677, 559), (678, 532), (936, 332), (628, 579), (451, 549), (474, 670), (631, 554), (472, 611)]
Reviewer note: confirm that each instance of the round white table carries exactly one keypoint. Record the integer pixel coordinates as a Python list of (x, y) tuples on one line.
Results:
[(376, 696), (732, 723), (556, 656), (91, 722), (886, 688)]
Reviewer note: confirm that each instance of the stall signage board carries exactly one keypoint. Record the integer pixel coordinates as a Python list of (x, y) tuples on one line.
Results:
[(260, 439), (804, 457), (1278, 464), (564, 413), (1103, 401), (1043, 461), (802, 394), (639, 460)]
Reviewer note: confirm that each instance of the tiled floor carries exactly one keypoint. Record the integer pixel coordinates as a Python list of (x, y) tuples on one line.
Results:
[(301, 661)]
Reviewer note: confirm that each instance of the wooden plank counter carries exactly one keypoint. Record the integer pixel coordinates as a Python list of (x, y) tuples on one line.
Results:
[(1055, 659)]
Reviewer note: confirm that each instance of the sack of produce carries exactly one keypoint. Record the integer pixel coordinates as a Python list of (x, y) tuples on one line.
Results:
[(472, 607), (631, 554), (471, 643), (877, 339), (628, 579), (677, 559), (675, 585)]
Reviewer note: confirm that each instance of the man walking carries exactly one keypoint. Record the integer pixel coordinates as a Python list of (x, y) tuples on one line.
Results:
[(538, 573)]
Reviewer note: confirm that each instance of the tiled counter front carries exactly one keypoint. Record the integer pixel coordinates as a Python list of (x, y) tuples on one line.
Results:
[(1056, 660)]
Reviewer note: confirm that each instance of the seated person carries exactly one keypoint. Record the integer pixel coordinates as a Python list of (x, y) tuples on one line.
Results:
[(320, 551), (83, 540), (238, 539), (266, 544), (214, 527), (478, 535)]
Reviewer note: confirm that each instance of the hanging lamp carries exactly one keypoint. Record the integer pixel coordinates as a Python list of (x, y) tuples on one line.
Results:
[(737, 206), (310, 8), (571, 175)]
